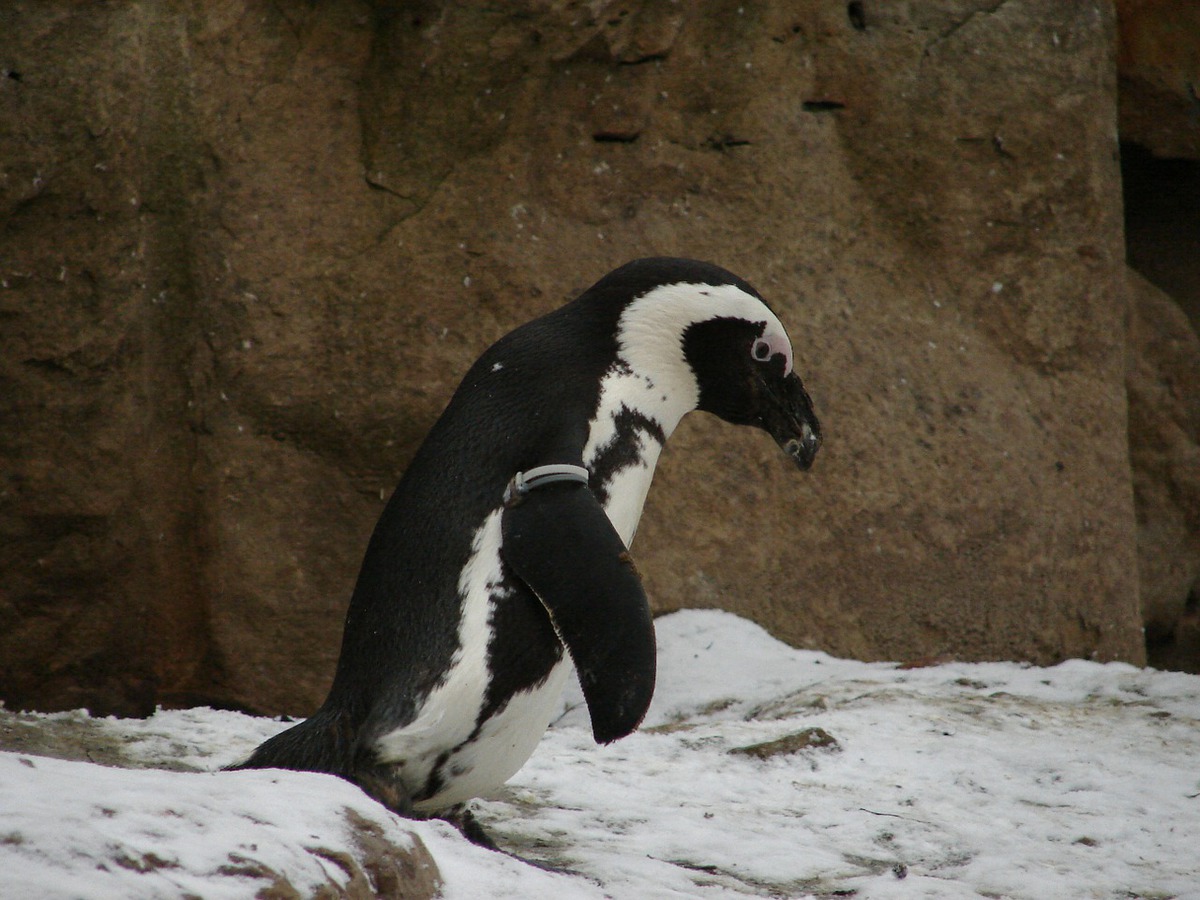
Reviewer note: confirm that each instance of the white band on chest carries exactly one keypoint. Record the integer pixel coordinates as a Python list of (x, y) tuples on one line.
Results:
[(524, 482)]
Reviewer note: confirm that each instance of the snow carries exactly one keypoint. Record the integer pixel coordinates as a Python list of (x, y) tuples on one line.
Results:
[(949, 781)]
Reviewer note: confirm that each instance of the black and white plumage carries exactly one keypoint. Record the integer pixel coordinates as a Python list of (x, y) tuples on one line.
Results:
[(468, 610)]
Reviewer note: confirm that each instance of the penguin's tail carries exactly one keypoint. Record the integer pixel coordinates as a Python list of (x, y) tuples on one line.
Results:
[(326, 743), (323, 742)]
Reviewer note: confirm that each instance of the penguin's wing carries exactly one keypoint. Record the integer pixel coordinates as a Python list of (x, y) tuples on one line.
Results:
[(558, 540)]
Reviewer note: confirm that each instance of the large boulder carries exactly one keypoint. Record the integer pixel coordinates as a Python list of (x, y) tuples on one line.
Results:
[(1159, 66), (1164, 437), (249, 248)]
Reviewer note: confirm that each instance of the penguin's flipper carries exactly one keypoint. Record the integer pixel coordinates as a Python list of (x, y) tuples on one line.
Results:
[(558, 540)]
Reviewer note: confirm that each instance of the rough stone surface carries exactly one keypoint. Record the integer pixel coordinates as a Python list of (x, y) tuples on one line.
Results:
[(1159, 65), (808, 739), (1164, 428), (249, 248)]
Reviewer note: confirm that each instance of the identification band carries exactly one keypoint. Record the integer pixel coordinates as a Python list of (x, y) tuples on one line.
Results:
[(539, 476)]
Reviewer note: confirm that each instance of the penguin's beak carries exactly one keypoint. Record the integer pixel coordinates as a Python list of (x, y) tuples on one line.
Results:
[(787, 415)]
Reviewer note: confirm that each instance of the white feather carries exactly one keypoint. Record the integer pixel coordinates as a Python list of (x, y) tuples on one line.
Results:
[(448, 715), (503, 744)]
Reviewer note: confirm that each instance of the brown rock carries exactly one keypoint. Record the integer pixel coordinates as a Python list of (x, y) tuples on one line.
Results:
[(808, 739), (1159, 62), (377, 869), (382, 870), (249, 249), (1164, 439)]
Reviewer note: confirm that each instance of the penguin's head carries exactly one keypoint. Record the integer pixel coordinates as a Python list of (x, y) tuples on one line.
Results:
[(710, 339)]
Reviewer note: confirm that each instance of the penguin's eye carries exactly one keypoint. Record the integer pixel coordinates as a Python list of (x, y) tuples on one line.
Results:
[(770, 345)]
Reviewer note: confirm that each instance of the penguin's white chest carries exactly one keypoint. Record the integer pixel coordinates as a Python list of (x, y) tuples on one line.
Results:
[(501, 746), (446, 756)]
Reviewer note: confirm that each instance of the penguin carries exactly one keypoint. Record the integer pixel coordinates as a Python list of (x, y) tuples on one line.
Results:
[(500, 563)]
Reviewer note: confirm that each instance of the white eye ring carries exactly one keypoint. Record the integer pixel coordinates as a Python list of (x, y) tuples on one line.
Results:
[(761, 350)]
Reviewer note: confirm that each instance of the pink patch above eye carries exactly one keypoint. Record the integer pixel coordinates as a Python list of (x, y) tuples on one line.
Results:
[(771, 345)]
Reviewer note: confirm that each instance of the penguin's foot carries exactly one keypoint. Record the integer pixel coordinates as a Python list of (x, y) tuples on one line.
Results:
[(381, 783), (464, 820)]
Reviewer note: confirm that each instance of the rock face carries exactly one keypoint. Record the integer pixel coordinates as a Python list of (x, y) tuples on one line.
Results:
[(1159, 65), (1164, 429), (249, 249)]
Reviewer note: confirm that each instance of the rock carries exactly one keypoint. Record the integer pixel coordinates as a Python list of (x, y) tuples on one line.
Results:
[(1159, 74), (375, 868), (378, 870), (251, 247), (1164, 438), (808, 739), (965, 287), (1160, 163), (206, 827)]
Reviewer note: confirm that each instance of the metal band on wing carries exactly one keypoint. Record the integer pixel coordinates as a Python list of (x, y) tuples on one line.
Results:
[(524, 482)]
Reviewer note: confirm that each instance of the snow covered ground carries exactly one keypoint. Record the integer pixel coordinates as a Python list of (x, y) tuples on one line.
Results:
[(760, 771)]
